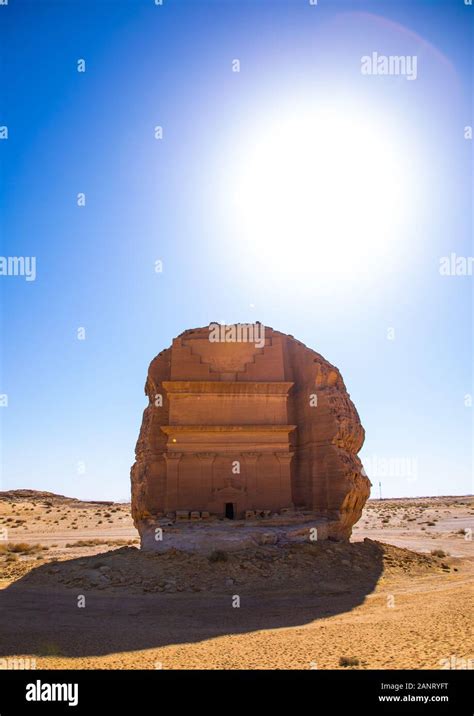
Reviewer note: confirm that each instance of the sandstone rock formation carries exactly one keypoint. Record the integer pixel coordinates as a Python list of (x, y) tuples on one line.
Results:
[(247, 426)]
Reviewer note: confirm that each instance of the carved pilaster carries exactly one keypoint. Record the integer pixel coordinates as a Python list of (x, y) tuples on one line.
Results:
[(172, 480), (284, 459), (251, 460), (206, 460)]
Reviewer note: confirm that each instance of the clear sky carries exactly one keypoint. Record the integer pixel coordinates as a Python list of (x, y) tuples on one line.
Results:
[(298, 191)]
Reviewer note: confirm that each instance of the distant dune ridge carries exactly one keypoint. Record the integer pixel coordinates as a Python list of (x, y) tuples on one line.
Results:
[(42, 495)]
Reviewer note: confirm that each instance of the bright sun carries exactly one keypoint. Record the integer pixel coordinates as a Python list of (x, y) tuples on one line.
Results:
[(326, 190)]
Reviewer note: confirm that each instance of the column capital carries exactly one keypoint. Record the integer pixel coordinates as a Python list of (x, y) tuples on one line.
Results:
[(172, 455), (250, 455), (206, 455), (284, 457)]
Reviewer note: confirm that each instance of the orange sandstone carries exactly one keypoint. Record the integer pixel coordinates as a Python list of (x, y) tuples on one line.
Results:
[(246, 422)]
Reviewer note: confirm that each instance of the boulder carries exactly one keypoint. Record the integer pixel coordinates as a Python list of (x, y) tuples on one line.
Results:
[(241, 429)]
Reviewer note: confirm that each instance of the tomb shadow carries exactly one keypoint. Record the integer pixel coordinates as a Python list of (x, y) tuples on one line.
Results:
[(42, 617)]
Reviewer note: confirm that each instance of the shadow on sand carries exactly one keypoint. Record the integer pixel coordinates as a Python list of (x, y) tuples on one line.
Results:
[(40, 615)]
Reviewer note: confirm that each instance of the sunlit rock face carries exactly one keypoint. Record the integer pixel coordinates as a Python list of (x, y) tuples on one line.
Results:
[(245, 422)]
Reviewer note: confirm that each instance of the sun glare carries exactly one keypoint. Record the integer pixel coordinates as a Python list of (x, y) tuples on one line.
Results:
[(331, 188)]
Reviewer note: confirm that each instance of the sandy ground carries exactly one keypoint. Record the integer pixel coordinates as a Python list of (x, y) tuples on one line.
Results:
[(75, 592)]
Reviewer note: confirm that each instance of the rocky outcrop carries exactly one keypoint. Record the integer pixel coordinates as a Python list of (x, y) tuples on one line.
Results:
[(246, 425)]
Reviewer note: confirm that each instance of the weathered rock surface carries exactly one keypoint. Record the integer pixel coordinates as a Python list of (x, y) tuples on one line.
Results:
[(246, 429)]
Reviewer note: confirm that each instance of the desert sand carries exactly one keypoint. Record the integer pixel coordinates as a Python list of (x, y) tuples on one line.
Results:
[(76, 592)]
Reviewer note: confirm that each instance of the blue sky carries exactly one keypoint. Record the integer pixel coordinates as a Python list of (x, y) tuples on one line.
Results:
[(401, 334)]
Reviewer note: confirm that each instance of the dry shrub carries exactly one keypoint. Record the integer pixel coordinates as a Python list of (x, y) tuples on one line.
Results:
[(218, 556), (349, 661)]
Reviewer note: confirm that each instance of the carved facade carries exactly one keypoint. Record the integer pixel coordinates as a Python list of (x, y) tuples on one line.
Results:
[(234, 428)]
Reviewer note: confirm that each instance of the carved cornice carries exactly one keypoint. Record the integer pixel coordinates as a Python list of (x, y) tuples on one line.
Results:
[(224, 387), (173, 429)]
